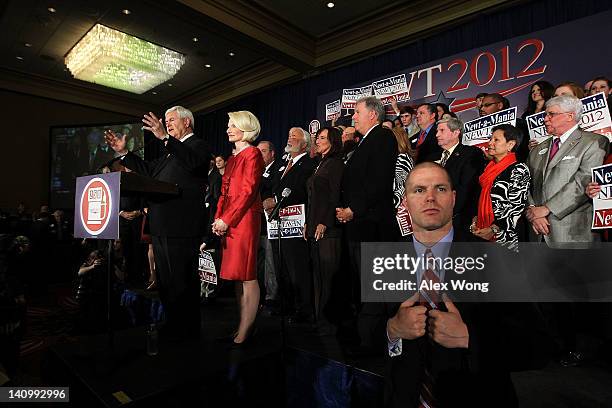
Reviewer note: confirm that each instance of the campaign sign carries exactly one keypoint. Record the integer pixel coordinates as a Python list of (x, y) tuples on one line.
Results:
[(390, 89), (477, 132), (314, 127), (602, 203), (508, 67), (292, 219), (206, 268), (595, 115), (352, 95), (535, 125), (332, 110), (96, 204), (404, 221)]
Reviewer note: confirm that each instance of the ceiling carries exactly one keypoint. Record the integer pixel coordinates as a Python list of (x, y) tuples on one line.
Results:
[(272, 41)]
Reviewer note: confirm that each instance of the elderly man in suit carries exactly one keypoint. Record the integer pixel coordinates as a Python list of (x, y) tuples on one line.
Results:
[(465, 165), (559, 211), (269, 180), (177, 223), (295, 269)]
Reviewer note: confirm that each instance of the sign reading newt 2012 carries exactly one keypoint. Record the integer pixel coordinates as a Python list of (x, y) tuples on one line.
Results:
[(509, 68), (602, 203)]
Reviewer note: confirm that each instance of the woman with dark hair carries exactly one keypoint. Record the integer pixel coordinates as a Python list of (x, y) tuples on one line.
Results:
[(321, 231), (601, 84), (442, 109), (504, 186), (540, 92), (238, 219), (403, 164)]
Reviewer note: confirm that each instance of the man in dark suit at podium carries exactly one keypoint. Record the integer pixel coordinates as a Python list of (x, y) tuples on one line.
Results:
[(177, 223)]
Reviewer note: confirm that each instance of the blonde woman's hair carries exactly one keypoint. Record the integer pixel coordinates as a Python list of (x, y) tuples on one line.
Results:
[(246, 122)]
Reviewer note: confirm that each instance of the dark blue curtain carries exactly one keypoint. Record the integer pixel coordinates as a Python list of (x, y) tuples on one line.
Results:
[(280, 108)]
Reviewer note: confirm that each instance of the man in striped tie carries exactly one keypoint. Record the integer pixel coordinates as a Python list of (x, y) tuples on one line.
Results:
[(437, 349)]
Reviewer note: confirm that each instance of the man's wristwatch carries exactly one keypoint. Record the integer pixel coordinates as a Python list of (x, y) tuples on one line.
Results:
[(495, 229)]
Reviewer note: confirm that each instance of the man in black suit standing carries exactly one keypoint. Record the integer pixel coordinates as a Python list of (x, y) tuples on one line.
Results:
[(265, 261), (295, 269), (367, 192), (441, 353), (424, 141), (465, 165), (177, 223)]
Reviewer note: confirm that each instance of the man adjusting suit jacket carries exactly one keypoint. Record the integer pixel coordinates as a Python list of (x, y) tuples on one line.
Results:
[(440, 353)]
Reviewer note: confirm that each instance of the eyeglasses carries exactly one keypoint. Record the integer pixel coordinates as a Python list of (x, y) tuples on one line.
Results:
[(486, 105), (553, 114)]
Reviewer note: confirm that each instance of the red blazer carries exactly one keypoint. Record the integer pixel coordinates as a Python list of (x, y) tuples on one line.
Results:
[(240, 187)]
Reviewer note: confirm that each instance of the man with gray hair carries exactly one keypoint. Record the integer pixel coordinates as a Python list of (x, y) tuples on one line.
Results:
[(294, 270), (464, 164), (367, 196), (559, 211), (177, 222)]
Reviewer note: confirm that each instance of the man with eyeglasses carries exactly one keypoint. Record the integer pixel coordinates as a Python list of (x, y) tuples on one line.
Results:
[(559, 211), (492, 103)]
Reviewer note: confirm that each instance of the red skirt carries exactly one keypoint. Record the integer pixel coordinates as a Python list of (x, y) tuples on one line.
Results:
[(240, 246)]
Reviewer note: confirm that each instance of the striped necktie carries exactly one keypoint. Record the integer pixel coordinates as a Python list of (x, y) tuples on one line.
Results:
[(445, 155), (429, 298)]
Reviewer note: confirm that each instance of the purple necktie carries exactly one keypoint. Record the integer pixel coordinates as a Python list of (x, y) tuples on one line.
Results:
[(554, 148)]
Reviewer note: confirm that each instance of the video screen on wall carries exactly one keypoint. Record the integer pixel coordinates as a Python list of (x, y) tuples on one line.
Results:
[(81, 151)]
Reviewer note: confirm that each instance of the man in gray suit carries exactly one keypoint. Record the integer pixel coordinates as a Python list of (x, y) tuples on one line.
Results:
[(560, 167)]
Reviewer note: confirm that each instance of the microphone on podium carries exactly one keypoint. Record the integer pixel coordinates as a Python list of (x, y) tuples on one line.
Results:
[(285, 193)]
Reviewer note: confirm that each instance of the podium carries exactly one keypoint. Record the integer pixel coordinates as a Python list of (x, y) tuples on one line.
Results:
[(96, 205)]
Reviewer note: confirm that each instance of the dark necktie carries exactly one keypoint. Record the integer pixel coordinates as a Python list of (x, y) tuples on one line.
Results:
[(554, 148), (445, 155)]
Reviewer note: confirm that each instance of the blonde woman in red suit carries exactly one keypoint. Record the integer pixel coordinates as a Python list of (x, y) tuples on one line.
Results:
[(238, 218)]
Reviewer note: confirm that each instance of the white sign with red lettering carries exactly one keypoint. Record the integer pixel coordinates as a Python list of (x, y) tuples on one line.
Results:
[(477, 132), (352, 95), (292, 218), (390, 89), (602, 203)]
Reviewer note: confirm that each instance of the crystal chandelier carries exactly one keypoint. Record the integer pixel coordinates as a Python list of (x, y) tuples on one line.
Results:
[(117, 60)]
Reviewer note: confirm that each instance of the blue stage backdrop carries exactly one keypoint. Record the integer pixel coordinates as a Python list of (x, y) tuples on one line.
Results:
[(558, 54), (296, 104)]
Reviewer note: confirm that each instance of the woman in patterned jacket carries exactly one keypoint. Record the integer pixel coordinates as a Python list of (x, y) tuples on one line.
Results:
[(504, 188)]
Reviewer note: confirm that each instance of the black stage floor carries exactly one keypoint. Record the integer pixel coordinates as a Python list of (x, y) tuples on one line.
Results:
[(316, 371)]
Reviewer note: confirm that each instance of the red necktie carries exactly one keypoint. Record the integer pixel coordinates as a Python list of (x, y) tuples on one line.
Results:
[(421, 138), (554, 148), (289, 165)]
